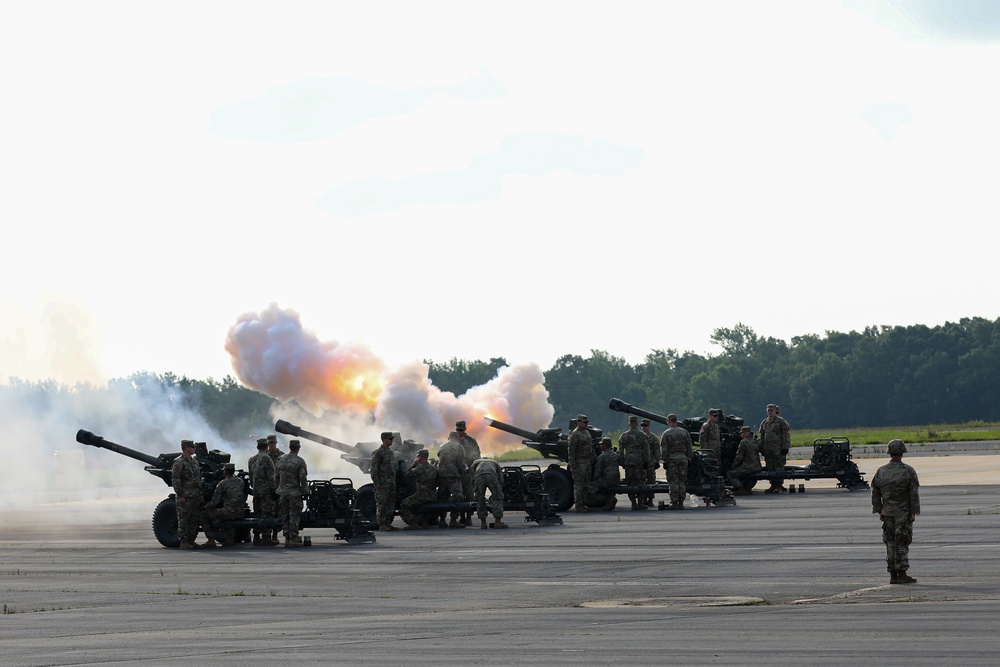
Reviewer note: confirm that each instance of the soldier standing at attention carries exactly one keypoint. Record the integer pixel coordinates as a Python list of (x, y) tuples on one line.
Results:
[(227, 503), (472, 454), (275, 454), (632, 447), (772, 437), (675, 445), (185, 475), (710, 438), (424, 475), (292, 486), (606, 474), (896, 500), (580, 455), (383, 472), (746, 461), (451, 469), (488, 474), (262, 479), (653, 456), (787, 444)]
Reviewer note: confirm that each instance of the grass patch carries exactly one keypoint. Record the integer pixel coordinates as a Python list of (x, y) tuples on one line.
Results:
[(971, 431)]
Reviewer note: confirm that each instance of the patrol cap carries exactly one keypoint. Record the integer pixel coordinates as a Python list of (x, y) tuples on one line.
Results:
[(229, 467), (896, 447), (386, 434), (772, 406), (644, 422), (261, 443), (715, 411), (606, 441), (671, 417), (424, 453), (187, 443), (460, 425), (746, 429), (632, 419), (294, 444), (582, 418)]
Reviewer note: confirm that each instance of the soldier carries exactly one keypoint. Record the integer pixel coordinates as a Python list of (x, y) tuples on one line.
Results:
[(383, 472), (632, 448), (746, 462), (653, 456), (606, 474), (263, 482), (451, 469), (787, 444), (185, 475), (293, 485), (896, 500), (773, 437), (675, 446), (227, 503), (472, 454), (710, 437), (424, 476), (487, 474), (580, 452), (275, 454)]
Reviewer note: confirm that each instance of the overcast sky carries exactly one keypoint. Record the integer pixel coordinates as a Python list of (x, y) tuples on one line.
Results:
[(437, 180)]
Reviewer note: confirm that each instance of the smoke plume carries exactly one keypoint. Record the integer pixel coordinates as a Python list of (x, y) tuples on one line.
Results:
[(272, 353)]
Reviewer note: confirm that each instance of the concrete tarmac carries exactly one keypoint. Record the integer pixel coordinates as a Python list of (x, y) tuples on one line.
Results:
[(787, 579)]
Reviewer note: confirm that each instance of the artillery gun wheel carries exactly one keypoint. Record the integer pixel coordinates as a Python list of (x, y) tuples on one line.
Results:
[(560, 489), (366, 503), (165, 523)]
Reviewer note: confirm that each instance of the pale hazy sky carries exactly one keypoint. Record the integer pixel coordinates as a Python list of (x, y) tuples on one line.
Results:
[(438, 179)]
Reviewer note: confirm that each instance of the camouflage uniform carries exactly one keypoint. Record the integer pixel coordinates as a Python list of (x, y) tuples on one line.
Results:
[(580, 452), (710, 440), (227, 503), (276, 455), (383, 472), (632, 446), (472, 454), (653, 456), (424, 476), (773, 437), (185, 475), (292, 486), (746, 462), (451, 469), (677, 451), (606, 473), (263, 481), (896, 497), (488, 476)]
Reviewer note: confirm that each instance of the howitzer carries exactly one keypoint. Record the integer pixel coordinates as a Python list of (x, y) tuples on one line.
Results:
[(329, 505), (404, 451)]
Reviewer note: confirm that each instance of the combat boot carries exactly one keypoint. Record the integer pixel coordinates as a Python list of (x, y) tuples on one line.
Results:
[(229, 542), (893, 577), (256, 540), (293, 542), (209, 544), (482, 524), (188, 545), (455, 523), (442, 522), (610, 505), (903, 578), (500, 524), (634, 505), (580, 507), (467, 520), (412, 526)]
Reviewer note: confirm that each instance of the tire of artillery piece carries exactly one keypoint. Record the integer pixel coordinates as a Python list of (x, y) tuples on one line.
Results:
[(366, 503), (560, 489), (165, 523)]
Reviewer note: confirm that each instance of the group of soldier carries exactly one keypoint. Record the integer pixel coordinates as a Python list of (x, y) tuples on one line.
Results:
[(460, 474), (279, 483)]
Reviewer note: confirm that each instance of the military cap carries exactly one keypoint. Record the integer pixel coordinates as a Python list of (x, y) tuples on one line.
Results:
[(632, 419), (261, 443), (896, 447), (772, 406), (644, 422), (229, 467), (671, 417), (424, 453), (272, 438), (715, 411), (294, 444), (606, 441), (187, 443), (746, 428), (386, 434), (460, 425), (582, 418)]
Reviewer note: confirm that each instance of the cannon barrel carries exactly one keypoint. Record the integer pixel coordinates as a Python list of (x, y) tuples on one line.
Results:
[(85, 437), (619, 405), (527, 435), (288, 428)]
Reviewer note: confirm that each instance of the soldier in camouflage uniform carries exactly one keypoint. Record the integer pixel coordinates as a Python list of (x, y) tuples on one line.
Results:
[(787, 444), (675, 446), (472, 454), (653, 456), (293, 485), (488, 475), (606, 474), (774, 438), (424, 475), (710, 437), (383, 472), (580, 455), (275, 454), (185, 475), (632, 448), (263, 480), (896, 500), (451, 468), (227, 503), (746, 462)]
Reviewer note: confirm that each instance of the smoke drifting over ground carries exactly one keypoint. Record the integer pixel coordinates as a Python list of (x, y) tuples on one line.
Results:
[(272, 353)]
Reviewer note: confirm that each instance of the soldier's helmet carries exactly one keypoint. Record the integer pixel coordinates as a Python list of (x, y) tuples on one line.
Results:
[(896, 447)]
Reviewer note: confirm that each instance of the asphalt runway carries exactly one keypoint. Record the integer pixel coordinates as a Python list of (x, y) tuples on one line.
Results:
[(789, 579)]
